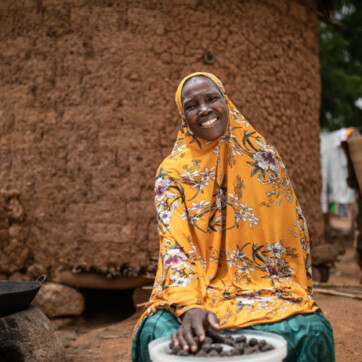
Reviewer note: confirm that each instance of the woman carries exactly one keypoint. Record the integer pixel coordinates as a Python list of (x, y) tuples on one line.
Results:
[(234, 245)]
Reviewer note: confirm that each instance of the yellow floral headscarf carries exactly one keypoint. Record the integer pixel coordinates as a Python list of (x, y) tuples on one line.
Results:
[(233, 239)]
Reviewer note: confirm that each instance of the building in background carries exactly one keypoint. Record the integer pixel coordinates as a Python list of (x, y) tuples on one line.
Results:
[(87, 114)]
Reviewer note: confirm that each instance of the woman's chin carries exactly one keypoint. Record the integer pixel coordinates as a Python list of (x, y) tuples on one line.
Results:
[(212, 133)]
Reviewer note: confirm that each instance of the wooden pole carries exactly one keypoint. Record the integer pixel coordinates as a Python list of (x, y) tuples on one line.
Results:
[(338, 294)]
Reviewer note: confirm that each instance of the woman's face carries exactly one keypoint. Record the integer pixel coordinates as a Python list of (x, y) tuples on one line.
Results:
[(204, 108)]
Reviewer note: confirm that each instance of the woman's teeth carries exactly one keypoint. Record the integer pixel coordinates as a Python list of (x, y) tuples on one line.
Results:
[(208, 123)]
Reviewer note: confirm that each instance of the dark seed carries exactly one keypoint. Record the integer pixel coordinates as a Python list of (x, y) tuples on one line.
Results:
[(240, 347), (197, 340), (201, 353), (267, 347), (213, 353), (206, 347), (262, 343), (217, 347), (208, 340), (216, 338), (240, 339), (182, 352), (226, 354), (176, 349), (229, 341), (253, 342)]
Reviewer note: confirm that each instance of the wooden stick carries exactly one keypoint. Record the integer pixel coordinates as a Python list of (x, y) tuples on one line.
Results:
[(338, 294), (141, 304), (327, 285), (147, 287), (149, 276)]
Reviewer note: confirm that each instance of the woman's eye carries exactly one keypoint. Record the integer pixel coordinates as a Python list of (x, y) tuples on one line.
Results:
[(213, 98), (190, 106)]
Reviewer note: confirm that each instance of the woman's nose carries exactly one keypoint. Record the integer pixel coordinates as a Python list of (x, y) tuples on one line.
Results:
[(203, 109)]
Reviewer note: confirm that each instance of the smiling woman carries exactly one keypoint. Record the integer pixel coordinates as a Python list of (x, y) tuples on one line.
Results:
[(203, 108), (234, 244)]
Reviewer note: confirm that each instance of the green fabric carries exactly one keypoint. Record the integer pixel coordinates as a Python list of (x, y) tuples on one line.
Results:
[(161, 324), (309, 336)]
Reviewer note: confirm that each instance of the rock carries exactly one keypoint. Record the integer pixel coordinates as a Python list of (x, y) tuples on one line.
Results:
[(58, 300), (29, 336), (35, 270)]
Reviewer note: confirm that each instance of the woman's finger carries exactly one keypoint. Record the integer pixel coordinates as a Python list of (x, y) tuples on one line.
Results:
[(189, 338), (174, 339), (213, 321), (199, 329), (181, 339)]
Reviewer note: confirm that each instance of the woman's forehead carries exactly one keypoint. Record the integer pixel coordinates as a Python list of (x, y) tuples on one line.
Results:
[(198, 84)]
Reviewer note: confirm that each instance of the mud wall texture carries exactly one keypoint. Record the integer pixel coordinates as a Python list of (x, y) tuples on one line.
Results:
[(87, 114)]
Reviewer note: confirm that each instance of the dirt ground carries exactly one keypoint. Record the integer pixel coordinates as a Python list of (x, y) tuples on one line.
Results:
[(87, 342)]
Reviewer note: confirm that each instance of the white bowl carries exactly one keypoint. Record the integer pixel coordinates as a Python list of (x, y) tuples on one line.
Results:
[(160, 352)]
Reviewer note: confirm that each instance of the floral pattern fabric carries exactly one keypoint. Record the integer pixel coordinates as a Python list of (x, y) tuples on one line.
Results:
[(233, 239)]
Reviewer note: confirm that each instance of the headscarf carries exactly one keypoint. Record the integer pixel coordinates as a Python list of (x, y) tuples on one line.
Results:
[(233, 239)]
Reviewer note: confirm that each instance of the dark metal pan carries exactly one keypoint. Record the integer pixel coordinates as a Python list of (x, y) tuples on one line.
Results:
[(17, 295)]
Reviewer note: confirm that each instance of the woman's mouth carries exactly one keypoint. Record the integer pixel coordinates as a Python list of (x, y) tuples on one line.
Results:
[(209, 123)]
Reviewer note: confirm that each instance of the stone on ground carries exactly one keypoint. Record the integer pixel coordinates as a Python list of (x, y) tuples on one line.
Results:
[(57, 300), (29, 336)]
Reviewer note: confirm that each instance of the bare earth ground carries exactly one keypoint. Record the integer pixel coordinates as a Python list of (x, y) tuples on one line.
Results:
[(112, 342)]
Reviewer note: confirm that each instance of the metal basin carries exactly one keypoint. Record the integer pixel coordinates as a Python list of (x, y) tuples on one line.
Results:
[(16, 296)]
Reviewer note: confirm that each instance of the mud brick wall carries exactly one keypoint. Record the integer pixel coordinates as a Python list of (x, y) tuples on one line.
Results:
[(87, 112)]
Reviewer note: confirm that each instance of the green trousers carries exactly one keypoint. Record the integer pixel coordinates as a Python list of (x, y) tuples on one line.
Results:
[(309, 336)]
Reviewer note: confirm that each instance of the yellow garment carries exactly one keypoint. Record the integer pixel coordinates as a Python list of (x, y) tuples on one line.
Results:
[(233, 239), (351, 131)]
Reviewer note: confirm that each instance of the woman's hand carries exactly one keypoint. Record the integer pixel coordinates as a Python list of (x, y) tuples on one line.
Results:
[(194, 322)]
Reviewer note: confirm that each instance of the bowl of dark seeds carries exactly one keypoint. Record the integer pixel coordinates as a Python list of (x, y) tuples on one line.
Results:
[(242, 346)]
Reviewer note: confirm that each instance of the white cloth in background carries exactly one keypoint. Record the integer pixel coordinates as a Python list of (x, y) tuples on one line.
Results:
[(339, 136), (334, 170)]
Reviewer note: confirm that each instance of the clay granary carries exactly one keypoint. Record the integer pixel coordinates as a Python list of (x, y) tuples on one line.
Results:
[(87, 114)]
